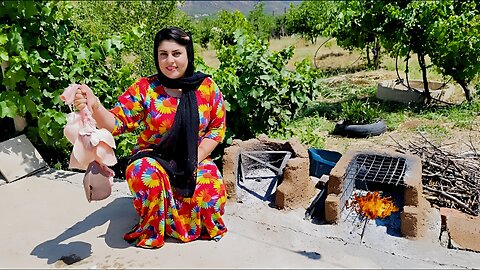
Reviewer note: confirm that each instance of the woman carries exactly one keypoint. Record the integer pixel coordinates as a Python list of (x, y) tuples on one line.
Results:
[(178, 190)]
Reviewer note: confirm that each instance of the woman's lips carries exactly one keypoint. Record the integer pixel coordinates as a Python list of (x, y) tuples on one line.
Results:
[(171, 68)]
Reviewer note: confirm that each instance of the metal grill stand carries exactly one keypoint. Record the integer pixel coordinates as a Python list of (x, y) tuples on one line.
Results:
[(394, 174), (261, 172), (373, 172)]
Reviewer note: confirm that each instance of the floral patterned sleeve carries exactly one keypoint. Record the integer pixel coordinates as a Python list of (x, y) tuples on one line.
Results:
[(129, 111), (217, 125)]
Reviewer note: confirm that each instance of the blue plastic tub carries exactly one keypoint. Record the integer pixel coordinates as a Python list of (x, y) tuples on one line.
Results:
[(322, 161)]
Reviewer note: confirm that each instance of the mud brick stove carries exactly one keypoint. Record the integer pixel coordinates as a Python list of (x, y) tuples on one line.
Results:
[(380, 170), (294, 188)]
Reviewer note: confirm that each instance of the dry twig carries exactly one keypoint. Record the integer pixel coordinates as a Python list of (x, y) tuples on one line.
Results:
[(449, 180)]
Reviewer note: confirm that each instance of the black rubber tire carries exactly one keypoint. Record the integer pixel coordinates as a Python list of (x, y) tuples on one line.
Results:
[(360, 131)]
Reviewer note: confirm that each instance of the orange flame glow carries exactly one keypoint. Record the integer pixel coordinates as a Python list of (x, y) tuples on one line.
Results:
[(372, 205)]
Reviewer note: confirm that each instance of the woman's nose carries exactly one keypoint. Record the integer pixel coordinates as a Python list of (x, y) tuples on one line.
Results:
[(170, 58)]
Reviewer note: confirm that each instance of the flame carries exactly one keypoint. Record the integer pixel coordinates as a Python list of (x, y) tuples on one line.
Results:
[(372, 205)]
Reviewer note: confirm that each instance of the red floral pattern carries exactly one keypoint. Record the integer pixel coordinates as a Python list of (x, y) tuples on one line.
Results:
[(162, 211)]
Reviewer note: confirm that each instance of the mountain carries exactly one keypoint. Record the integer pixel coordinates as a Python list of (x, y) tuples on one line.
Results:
[(205, 8)]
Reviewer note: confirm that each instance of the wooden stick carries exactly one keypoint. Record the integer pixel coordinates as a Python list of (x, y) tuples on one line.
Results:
[(452, 198)]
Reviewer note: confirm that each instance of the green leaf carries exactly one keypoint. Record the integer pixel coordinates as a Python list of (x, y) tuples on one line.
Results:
[(3, 55), (227, 105), (60, 118), (3, 39), (43, 127), (256, 93), (107, 46), (29, 8), (271, 121), (83, 53), (48, 94), (15, 38), (31, 106), (117, 41), (97, 55), (12, 77), (33, 82), (7, 109)]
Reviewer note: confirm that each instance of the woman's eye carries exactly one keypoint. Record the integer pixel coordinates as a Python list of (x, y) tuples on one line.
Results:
[(176, 54)]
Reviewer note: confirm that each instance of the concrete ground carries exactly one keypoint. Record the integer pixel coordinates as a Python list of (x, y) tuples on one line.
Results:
[(46, 217)]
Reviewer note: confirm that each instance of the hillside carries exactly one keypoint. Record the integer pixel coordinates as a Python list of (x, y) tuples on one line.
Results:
[(203, 8)]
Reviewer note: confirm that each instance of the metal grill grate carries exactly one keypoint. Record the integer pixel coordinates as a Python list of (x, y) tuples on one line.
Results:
[(373, 168), (376, 168), (261, 171)]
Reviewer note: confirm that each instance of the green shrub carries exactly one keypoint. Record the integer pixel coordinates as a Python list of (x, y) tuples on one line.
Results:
[(261, 94), (359, 112), (46, 52)]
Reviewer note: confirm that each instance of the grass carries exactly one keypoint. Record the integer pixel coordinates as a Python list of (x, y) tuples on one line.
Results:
[(437, 122), (209, 55), (310, 130), (314, 127), (414, 73), (330, 56), (436, 132)]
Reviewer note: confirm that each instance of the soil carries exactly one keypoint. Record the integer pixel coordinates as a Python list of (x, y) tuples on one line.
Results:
[(457, 139)]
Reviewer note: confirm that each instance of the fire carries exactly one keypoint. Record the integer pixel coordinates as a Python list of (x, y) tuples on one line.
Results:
[(372, 205)]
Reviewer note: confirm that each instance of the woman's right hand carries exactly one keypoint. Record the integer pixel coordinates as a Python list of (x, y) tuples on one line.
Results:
[(84, 96)]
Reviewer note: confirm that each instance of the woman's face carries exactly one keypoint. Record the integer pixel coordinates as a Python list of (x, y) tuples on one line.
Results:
[(172, 59)]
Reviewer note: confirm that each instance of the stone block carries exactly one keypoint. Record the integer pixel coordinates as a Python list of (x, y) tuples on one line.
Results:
[(19, 159)]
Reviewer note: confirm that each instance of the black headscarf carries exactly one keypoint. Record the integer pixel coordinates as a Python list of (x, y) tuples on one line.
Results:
[(177, 151)]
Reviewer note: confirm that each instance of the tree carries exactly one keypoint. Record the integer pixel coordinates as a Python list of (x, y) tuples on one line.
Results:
[(455, 39), (261, 23), (102, 19), (358, 24), (280, 30), (225, 26), (42, 52), (203, 31), (445, 30), (308, 19), (406, 32), (260, 92)]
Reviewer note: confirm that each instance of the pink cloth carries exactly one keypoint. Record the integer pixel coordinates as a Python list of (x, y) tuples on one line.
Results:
[(89, 143)]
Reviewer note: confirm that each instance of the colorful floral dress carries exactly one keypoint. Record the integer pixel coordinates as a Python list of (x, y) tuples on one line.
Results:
[(162, 211)]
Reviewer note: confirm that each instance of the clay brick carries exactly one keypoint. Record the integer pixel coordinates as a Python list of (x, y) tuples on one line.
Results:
[(411, 196), (332, 208), (335, 184), (335, 181), (296, 188), (230, 164), (445, 212), (409, 221), (463, 229), (297, 148)]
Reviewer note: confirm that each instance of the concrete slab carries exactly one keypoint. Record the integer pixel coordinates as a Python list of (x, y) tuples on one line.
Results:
[(19, 158), (391, 90), (46, 217)]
